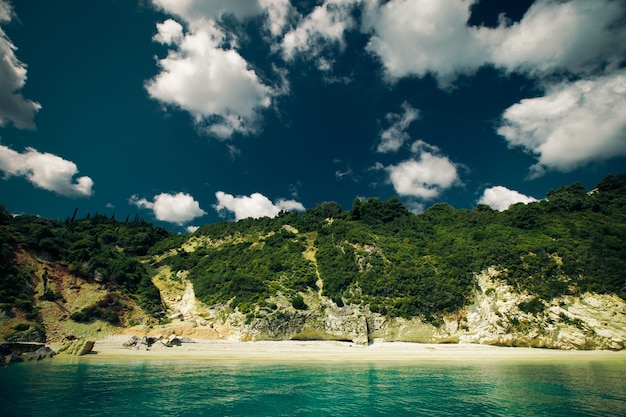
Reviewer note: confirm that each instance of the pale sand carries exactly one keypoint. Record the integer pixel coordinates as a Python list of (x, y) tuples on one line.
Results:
[(332, 351)]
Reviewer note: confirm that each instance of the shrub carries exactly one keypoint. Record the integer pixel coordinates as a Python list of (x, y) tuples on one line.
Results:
[(533, 306), (20, 327), (298, 303)]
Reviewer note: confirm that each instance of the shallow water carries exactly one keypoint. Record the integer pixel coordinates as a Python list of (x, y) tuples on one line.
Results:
[(204, 388)]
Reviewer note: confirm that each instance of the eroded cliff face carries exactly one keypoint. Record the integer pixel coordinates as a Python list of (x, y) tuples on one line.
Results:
[(591, 321)]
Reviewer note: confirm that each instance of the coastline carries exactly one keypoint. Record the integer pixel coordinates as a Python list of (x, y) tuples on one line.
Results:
[(112, 347)]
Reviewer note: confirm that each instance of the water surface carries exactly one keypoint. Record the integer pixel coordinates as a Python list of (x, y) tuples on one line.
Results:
[(207, 388)]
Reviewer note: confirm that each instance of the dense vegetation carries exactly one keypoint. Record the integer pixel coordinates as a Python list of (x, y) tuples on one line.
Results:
[(97, 248), (376, 254), (403, 264)]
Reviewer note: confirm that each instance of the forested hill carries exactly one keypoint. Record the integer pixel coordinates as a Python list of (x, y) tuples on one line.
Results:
[(377, 255)]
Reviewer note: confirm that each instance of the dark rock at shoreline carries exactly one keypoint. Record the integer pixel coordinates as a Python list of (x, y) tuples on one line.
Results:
[(41, 353), (13, 352)]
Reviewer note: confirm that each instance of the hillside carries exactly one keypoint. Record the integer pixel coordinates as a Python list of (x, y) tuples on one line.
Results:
[(545, 274)]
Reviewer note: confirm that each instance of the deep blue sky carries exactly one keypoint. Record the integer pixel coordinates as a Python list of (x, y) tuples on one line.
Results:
[(175, 109)]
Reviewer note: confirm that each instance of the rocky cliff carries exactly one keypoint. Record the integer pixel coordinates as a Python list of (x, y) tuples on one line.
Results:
[(590, 321), (546, 274)]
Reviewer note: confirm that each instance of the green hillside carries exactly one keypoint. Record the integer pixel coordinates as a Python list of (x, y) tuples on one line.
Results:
[(376, 254)]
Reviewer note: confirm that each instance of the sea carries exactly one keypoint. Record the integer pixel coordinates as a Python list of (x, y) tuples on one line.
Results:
[(149, 387)]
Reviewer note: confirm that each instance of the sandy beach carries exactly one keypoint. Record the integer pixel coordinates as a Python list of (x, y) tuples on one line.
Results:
[(335, 351)]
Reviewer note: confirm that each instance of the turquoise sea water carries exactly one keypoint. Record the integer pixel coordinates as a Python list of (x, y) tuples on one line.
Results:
[(93, 387)]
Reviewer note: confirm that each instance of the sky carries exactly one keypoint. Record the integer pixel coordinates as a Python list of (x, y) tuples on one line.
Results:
[(189, 112)]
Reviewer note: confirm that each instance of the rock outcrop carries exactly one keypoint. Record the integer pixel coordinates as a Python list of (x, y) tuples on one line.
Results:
[(41, 353), (327, 323), (13, 352), (76, 346), (589, 321)]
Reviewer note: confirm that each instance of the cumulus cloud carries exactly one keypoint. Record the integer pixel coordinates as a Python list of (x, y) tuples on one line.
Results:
[(324, 26), (580, 36), (254, 206), (14, 107), (204, 74), (500, 198), (392, 138), (177, 208), (45, 170), (426, 175), (215, 85), (419, 37), (572, 125), (423, 36)]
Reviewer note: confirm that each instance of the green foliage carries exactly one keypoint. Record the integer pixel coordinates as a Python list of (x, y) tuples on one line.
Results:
[(241, 271), (378, 253), (21, 327), (533, 306), (13, 280), (298, 303), (95, 246)]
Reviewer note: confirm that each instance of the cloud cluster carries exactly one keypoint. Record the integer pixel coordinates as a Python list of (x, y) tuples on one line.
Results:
[(14, 107), (501, 198), (215, 85), (177, 208), (392, 138), (45, 170), (572, 125), (253, 206), (204, 74), (419, 37)]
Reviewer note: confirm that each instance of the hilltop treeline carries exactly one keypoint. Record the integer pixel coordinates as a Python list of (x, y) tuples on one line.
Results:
[(377, 253), (403, 264)]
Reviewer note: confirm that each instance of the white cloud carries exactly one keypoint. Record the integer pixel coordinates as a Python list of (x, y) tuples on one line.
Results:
[(290, 205), (414, 206), (580, 36), (5, 11), (169, 32), (423, 36), (392, 138), (419, 37), (425, 176), (177, 208), (278, 12), (199, 12), (254, 206), (14, 107), (500, 198), (191, 229), (204, 74), (45, 170), (324, 26), (215, 85), (340, 175), (572, 125)]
